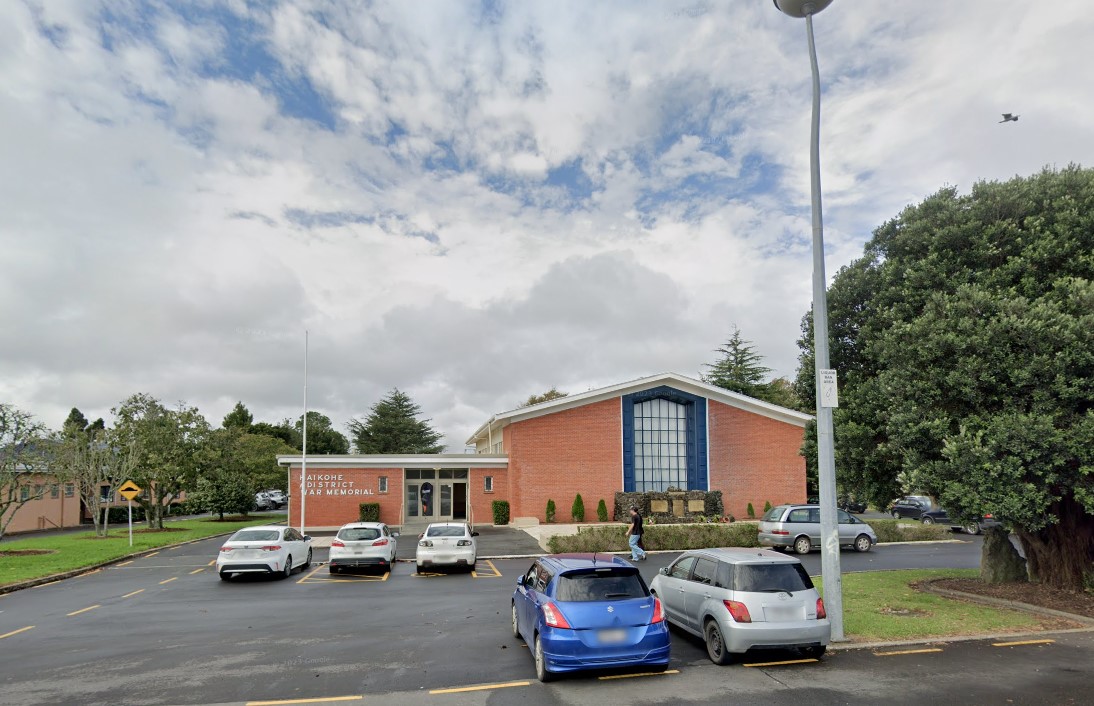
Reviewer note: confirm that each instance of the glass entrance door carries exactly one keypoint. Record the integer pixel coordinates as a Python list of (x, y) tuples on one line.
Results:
[(436, 495)]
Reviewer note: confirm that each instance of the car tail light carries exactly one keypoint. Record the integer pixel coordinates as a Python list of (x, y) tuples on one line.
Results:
[(782, 532), (553, 616), (738, 611), (658, 611), (272, 548), (425, 543), (821, 612), (380, 542), (338, 543), (463, 543), (987, 516), (226, 548)]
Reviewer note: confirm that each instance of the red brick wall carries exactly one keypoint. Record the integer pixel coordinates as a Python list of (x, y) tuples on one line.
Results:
[(753, 459), (559, 455), (482, 509), (334, 510)]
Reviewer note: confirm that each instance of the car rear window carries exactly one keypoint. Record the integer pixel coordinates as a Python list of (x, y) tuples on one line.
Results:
[(445, 532), (256, 536), (601, 585), (760, 578), (358, 534), (774, 514)]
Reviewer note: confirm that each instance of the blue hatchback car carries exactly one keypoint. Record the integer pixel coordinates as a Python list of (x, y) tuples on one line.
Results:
[(589, 611)]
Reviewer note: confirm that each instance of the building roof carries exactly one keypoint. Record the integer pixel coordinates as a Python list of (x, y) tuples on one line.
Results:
[(397, 461), (674, 380)]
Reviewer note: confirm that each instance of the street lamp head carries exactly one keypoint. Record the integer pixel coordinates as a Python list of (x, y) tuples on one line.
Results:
[(801, 8)]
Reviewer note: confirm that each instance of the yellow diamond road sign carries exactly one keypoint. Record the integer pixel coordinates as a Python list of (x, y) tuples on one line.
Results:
[(129, 490)]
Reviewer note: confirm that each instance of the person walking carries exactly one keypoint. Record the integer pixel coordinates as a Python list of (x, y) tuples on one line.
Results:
[(634, 535)]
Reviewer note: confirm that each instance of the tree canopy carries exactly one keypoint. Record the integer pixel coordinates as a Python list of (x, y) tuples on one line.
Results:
[(393, 427), (323, 438), (964, 340), (740, 369), (240, 418), (23, 451), (552, 394)]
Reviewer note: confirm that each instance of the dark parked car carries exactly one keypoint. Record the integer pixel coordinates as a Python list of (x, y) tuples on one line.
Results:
[(850, 505), (910, 506), (942, 517)]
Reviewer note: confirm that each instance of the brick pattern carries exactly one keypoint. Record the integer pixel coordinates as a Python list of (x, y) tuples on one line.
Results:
[(331, 508), (482, 503), (754, 459)]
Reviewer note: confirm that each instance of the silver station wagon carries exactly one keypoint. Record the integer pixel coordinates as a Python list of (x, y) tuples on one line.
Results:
[(798, 526), (740, 599)]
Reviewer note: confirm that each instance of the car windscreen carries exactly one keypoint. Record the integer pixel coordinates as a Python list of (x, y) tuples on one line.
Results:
[(256, 536), (359, 534), (446, 532), (600, 585), (770, 578)]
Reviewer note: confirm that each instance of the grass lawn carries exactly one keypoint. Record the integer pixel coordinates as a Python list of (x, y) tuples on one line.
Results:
[(77, 550), (882, 606)]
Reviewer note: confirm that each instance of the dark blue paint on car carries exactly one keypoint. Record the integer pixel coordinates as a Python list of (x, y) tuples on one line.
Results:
[(588, 611)]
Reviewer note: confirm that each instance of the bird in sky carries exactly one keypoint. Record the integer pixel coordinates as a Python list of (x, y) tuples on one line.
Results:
[(1007, 117)]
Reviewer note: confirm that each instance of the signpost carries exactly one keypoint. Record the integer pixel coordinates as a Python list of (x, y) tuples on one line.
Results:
[(130, 490)]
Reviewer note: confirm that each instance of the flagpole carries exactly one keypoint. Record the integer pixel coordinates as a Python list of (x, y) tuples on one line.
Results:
[(304, 443)]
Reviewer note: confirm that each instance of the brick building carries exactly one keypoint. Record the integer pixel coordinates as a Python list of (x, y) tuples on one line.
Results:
[(647, 434)]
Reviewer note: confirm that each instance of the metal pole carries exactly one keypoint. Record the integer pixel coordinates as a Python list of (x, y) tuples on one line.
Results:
[(304, 444), (130, 503), (826, 458)]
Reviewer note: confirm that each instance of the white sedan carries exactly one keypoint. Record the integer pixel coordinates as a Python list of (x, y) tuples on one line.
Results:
[(362, 545), (447, 544), (268, 549)]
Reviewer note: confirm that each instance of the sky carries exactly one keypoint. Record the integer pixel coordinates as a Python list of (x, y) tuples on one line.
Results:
[(473, 202)]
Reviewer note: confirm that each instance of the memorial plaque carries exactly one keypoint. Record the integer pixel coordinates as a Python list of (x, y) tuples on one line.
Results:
[(659, 505), (699, 506)]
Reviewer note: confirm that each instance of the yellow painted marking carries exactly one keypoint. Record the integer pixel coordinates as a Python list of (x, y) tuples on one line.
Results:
[(908, 652), (310, 574), (425, 575), (152, 554), (480, 687), (211, 562), (173, 578), (197, 571), (83, 610), (496, 574), (344, 578), (43, 585), (320, 700), (133, 593), (1022, 642), (125, 563), (779, 664), (640, 674), (16, 632)]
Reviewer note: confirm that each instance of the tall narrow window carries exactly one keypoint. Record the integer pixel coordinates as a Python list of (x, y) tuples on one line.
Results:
[(488, 484), (383, 484), (660, 445)]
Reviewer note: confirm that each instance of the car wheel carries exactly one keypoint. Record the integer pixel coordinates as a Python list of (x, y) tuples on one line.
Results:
[(516, 627), (541, 663), (225, 576), (927, 520), (288, 568), (802, 545), (420, 569), (307, 562), (716, 646), (863, 543), (333, 569), (896, 515), (813, 651), (973, 528)]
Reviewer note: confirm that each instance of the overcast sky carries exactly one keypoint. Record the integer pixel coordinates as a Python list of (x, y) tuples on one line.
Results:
[(472, 201)]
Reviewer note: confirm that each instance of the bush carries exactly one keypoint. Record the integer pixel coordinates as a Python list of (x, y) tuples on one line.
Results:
[(602, 511), (369, 512), (577, 510), (767, 506), (911, 531), (609, 538), (501, 512), (751, 511), (550, 514)]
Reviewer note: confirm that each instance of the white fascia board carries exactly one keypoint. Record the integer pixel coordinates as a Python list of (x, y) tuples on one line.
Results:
[(397, 461)]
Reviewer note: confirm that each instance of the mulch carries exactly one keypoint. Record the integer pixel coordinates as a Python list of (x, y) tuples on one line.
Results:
[(1076, 603)]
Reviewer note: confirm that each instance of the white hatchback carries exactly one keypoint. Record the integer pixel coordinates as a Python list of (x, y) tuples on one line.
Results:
[(267, 549), (362, 544), (447, 544)]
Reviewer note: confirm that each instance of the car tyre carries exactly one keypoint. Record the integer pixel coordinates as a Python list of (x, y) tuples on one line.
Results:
[(225, 576), (288, 568), (333, 569), (973, 528), (896, 515), (863, 543), (420, 568), (516, 627), (542, 672), (802, 545), (716, 644), (927, 520), (307, 562), (813, 651)]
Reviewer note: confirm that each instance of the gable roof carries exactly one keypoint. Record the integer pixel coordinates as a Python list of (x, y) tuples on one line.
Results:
[(685, 384)]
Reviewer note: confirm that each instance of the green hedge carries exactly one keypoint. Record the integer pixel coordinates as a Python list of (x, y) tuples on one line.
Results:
[(501, 512), (908, 531), (369, 512)]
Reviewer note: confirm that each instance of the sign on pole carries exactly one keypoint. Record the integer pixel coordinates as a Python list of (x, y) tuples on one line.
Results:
[(829, 396), (130, 490)]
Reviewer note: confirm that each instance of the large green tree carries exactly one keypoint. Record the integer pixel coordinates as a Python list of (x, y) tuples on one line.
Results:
[(323, 438), (552, 394), (964, 340), (240, 418), (90, 457), (24, 452), (740, 369), (393, 427)]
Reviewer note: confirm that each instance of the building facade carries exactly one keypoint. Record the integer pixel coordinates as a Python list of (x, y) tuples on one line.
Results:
[(645, 435)]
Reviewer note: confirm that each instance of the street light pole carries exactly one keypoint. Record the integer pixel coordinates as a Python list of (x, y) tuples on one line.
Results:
[(826, 457)]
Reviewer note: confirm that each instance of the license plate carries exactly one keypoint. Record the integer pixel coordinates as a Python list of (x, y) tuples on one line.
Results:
[(611, 636)]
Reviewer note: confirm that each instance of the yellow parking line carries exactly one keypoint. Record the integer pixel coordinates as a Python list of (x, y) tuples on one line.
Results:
[(152, 554), (211, 562), (43, 585), (320, 700), (125, 563), (908, 652), (480, 687), (640, 674), (310, 574), (197, 571), (779, 664), (173, 578), (496, 574), (1022, 642), (83, 610), (16, 632), (133, 593)]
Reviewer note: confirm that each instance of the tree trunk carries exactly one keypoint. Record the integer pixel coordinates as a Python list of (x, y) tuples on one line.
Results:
[(1060, 554)]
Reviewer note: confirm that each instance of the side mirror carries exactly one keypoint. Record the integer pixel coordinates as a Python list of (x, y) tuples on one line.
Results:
[(520, 581), (474, 534), (394, 534), (664, 571), (307, 538)]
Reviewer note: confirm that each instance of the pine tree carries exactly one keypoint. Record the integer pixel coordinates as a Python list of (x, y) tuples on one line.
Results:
[(393, 428), (739, 369)]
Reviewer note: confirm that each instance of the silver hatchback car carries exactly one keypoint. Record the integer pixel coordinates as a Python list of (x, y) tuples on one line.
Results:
[(739, 599), (798, 526)]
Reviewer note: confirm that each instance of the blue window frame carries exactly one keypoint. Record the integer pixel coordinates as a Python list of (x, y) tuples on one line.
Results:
[(664, 440)]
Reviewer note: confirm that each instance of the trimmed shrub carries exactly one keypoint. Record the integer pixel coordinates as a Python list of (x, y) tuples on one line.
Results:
[(602, 511), (577, 510), (767, 506), (369, 512), (550, 514), (751, 511), (601, 538), (907, 531), (501, 512)]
